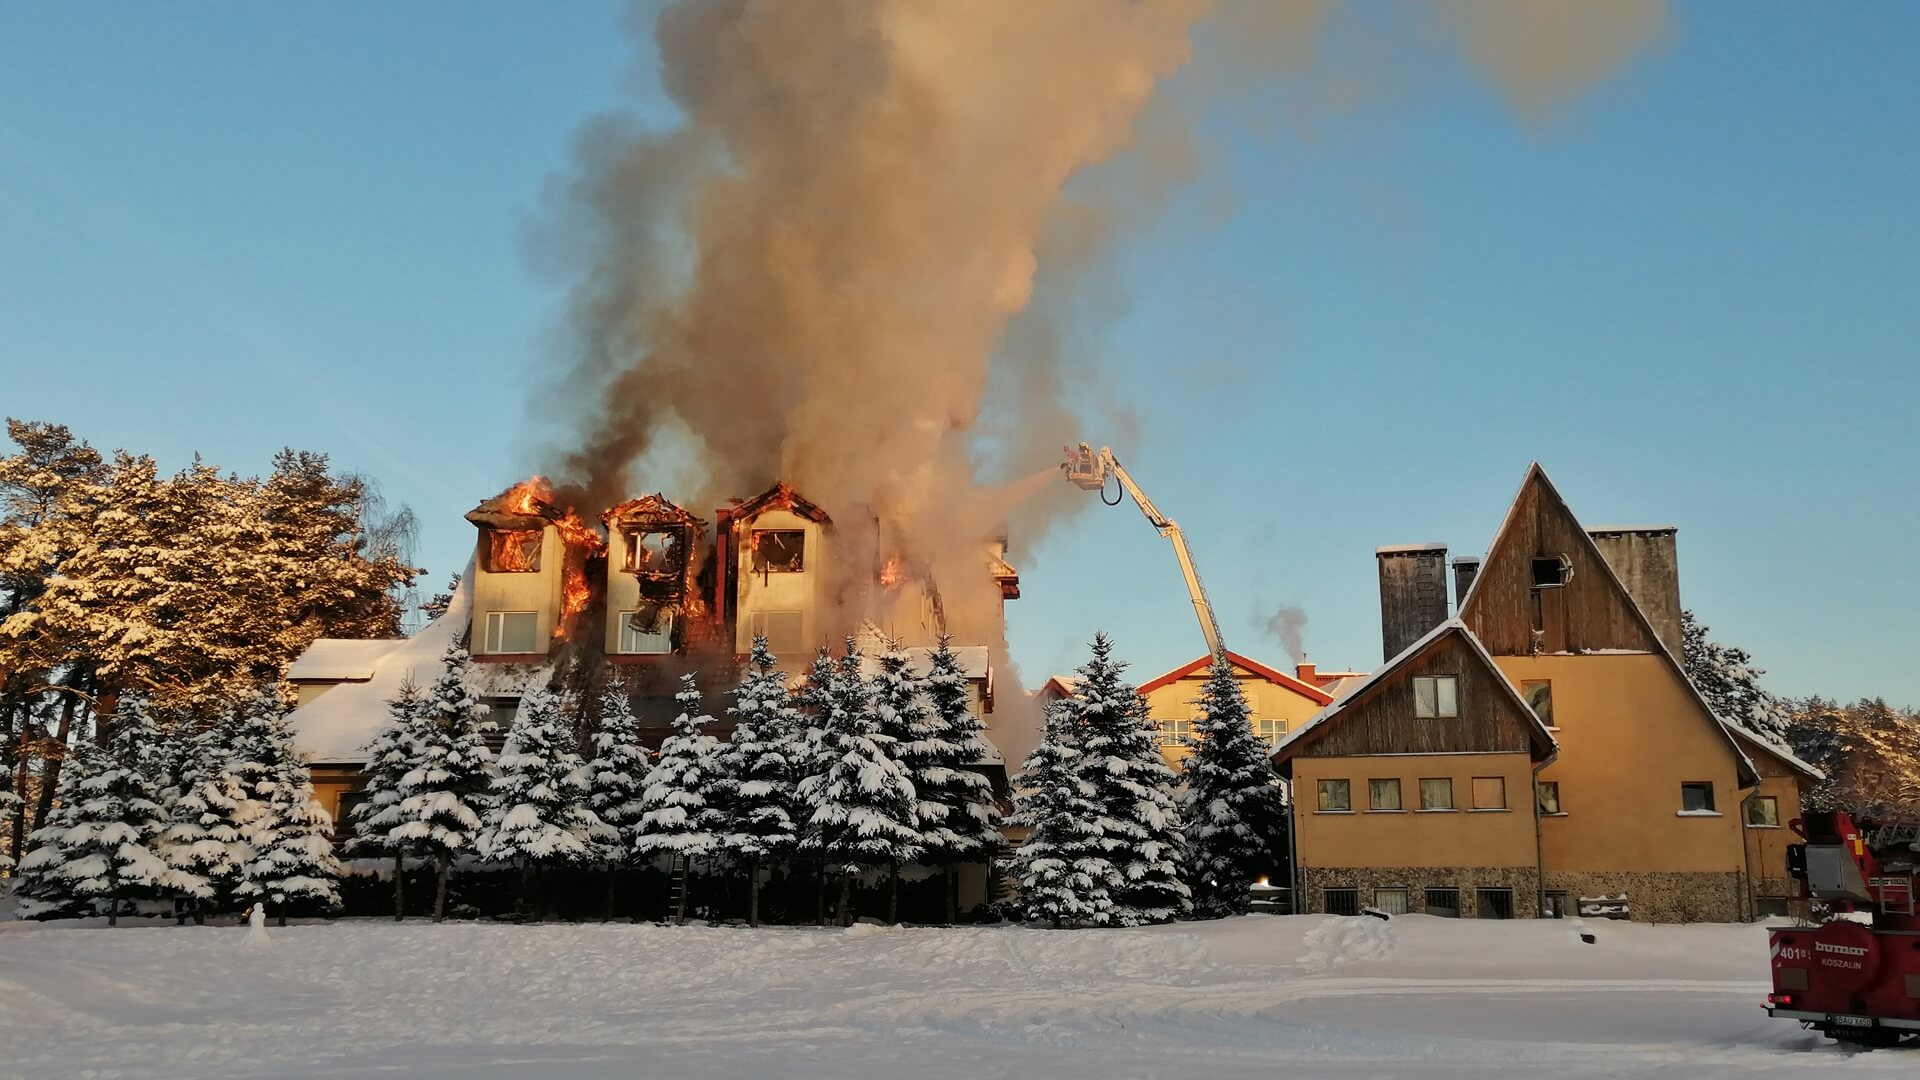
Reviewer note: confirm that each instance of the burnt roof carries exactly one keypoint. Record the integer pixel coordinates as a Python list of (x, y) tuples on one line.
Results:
[(781, 497)]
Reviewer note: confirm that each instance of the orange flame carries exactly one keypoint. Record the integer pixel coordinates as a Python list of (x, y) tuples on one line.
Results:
[(535, 496), (893, 572)]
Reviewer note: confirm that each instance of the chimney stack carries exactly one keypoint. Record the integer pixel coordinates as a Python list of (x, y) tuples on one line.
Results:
[(1413, 593), (1306, 673), (1465, 569), (1646, 559)]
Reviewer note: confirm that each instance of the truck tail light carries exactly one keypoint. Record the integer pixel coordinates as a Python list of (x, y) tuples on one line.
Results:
[(1783, 1000)]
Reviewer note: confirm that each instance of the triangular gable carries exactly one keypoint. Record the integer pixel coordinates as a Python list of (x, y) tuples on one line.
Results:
[(1592, 612), (1252, 667), (1449, 646), (1755, 744), (780, 497)]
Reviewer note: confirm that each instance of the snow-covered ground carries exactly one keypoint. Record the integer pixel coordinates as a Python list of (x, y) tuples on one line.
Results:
[(1259, 996)]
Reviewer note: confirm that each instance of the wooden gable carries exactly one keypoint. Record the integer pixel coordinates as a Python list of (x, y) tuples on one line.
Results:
[(1379, 718), (1590, 612)]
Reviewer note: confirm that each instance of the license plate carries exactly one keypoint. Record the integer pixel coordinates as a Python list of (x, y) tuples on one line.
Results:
[(1851, 1021)]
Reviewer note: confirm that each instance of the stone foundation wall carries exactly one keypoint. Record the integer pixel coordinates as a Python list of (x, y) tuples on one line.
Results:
[(1524, 882), (1661, 898)]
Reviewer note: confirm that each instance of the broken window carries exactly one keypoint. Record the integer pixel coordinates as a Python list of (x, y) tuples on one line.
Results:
[(656, 551), (511, 632), (646, 631), (779, 551), (514, 551), (1551, 572), (1546, 795), (1436, 697), (1539, 697)]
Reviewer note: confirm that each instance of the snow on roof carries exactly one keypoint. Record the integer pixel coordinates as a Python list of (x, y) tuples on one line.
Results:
[(335, 727), (340, 659), (1770, 745), (1592, 529), (1409, 549)]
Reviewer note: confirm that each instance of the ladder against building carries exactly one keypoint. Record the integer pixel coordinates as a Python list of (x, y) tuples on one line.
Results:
[(677, 889)]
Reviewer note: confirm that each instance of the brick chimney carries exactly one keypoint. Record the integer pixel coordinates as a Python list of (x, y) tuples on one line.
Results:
[(1307, 673), (1646, 560), (1413, 593)]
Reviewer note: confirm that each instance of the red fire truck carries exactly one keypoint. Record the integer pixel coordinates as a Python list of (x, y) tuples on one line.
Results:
[(1856, 976)]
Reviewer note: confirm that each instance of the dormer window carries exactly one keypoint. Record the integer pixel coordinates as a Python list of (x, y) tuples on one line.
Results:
[(656, 551), (779, 551), (513, 551), (1551, 572)]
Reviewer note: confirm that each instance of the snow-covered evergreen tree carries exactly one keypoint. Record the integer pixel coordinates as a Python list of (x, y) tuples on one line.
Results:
[(1726, 677), (681, 815), (444, 794), (616, 781), (957, 817), (390, 756), (807, 753), (1231, 806), (97, 850), (1133, 788), (900, 717), (760, 798), (203, 845), (290, 859), (539, 814), (10, 805), (1062, 869), (862, 806)]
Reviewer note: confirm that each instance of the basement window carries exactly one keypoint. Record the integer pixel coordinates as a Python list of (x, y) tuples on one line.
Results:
[(646, 632), (1444, 903), (1552, 571), (1436, 697), (1391, 901), (1493, 904), (509, 632), (1341, 901), (1696, 798), (514, 551), (779, 551)]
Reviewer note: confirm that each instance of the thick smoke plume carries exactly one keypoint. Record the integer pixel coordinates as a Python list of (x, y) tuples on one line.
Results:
[(1288, 625), (811, 272)]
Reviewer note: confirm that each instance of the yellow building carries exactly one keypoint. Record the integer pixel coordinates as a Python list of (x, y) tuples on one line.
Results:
[(1643, 803), (1276, 702)]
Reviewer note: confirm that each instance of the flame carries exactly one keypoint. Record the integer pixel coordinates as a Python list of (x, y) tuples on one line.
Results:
[(893, 572), (535, 496)]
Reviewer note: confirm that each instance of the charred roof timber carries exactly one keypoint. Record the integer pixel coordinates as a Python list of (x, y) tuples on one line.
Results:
[(1413, 593)]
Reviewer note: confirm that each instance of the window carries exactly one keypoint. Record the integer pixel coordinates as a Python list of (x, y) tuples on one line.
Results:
[(512, 632), (1493, 904), (1436, 793), (1763, 812), (1546, 796), (514, 551), (1336, 795), (1444, 903), (1271, 730), (1696, 798), (656, 551), (349, 802), (1383, 794), (1175, 732), (1770, 907), (1392, 901), (1489, 793), (1436, 697), (498, 721), (1341, 901), (1552, 572), (784, 631), (1556, 904), (1539, 697), (779, 551), (647, 632)]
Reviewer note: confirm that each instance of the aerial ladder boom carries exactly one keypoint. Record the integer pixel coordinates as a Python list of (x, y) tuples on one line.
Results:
[(1089, 469)]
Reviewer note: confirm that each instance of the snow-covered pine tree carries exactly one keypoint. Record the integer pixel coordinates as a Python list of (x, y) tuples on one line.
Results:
[(1062, 870), (390, 756), (97, 849), (203, 845), (539, 815), (443, 795), (1231, 807), (760, 800), (808, 755), (10, 805), (901, 718), (1726, 677), (1133, 788), (957, 816), (680, 810), (616, 780), (290, 859), (863, 804)]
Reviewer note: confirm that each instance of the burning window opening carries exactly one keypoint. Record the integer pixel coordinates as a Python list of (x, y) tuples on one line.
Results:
[(892, 573), (656, 551), (779, 551), (513, 551)]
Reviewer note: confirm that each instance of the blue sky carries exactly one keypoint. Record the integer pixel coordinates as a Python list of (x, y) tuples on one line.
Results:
[(229, 227)]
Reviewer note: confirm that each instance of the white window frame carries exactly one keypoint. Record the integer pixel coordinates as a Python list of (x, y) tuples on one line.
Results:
[(1270, 728), (1175, 731), (1436, 704), (629, 636), (494, 641)]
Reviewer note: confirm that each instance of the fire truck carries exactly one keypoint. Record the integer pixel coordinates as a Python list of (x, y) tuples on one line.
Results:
[(1856, 976)]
